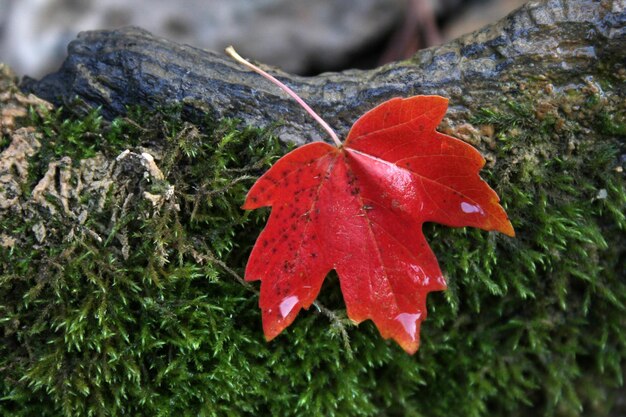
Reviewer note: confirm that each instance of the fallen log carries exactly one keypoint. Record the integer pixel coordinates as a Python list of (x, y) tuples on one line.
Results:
[(557, 41)]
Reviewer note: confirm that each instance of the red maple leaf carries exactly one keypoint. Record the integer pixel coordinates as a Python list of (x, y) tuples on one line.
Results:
[(359, 209)]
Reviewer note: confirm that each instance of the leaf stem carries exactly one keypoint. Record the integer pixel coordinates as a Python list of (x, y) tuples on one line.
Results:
[(232, 53)]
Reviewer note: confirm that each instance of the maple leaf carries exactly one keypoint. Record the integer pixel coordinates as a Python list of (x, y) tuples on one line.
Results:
[(359, 209)]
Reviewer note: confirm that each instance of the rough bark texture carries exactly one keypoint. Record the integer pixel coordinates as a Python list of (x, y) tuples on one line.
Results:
[(560, 41)]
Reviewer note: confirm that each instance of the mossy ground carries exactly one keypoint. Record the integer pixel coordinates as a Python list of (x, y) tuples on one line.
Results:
[(529, 326)]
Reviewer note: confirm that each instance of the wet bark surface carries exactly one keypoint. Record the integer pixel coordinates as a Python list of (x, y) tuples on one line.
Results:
[(559, 41)]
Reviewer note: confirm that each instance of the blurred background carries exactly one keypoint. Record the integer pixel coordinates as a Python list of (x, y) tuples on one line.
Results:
[(300, 36)]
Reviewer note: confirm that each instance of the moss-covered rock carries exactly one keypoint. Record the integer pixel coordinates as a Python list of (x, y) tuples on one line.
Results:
[(122, 245)]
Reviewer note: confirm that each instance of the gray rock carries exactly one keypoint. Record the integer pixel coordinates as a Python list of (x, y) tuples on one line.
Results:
[(293, 34), (477, 15)]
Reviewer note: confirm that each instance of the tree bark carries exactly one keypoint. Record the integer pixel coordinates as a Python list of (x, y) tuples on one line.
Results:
[(558, 41)]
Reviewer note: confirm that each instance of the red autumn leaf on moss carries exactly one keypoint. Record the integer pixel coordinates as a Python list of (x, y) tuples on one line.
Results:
[(359, 209)]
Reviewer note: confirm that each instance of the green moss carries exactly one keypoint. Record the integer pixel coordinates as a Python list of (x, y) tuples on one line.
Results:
[(613, 124), (529, 326)]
